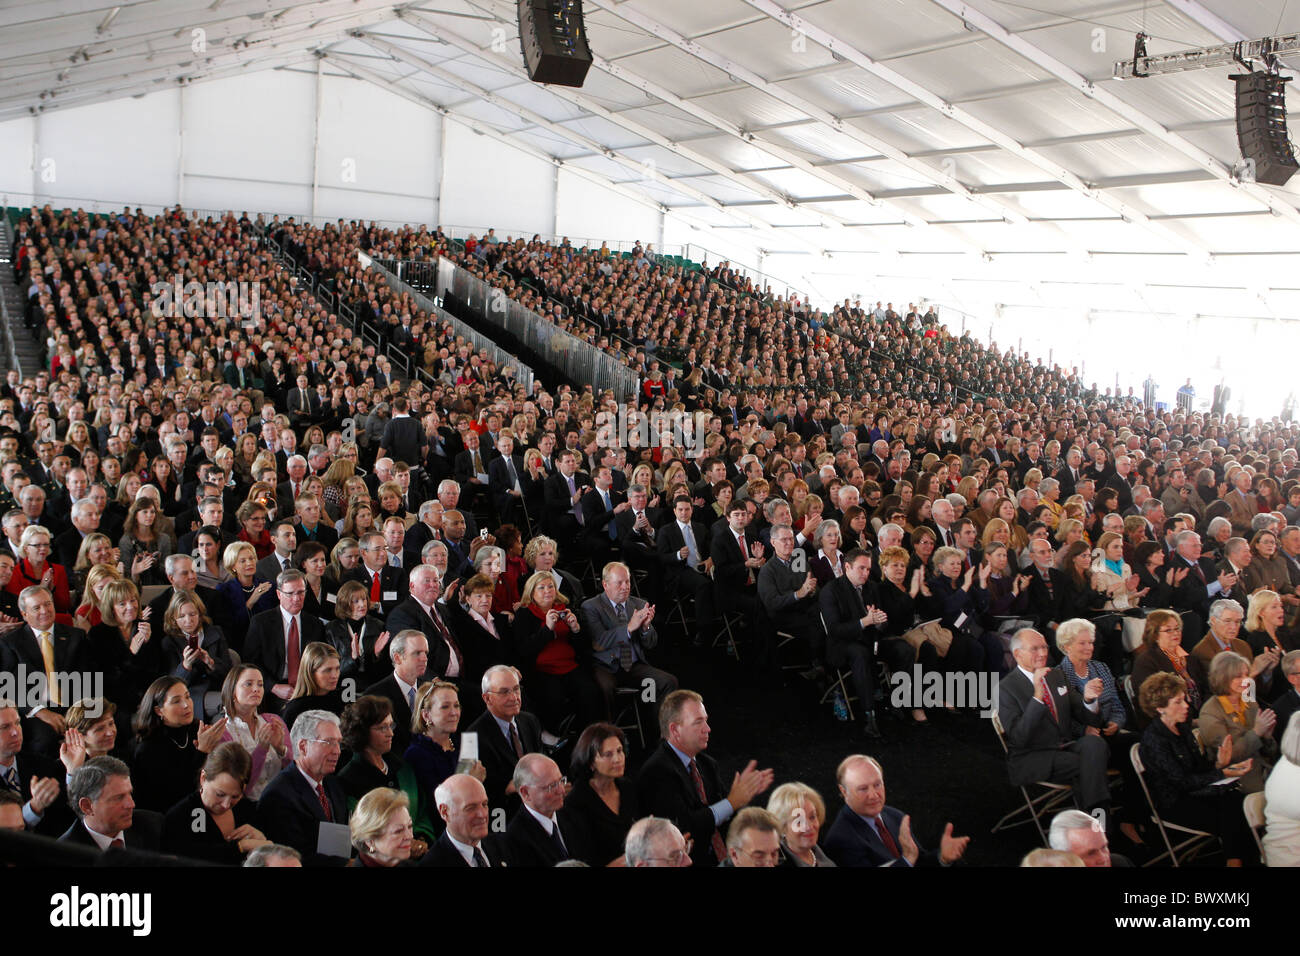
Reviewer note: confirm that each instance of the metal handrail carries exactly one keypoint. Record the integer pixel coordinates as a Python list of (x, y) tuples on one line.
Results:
[(502, 357)]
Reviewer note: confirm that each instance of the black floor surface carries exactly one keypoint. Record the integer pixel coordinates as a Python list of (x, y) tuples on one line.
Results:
[(950, 771)]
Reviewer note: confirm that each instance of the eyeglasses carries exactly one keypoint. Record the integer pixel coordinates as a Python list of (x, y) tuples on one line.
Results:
[(1171, 629), (677, 857), (336, 744), (506, 692), (554, 785)]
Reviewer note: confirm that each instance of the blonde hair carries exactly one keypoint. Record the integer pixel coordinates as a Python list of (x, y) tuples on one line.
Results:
[(789, 798), (314, 655), (1259, 602), (373, 811)]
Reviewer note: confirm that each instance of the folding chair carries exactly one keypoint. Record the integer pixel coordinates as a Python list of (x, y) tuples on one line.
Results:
[(842, 682), (1253, 807), (1049, 796), (1197, 839), (631, 697), (726, 634)]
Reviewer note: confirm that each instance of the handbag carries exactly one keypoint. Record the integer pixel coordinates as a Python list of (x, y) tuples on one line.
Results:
[(1134, 628), (930, 631)]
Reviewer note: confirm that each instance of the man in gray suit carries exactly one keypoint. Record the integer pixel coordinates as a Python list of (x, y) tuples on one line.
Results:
[(621, 632), (787, 596), (1037, 709)]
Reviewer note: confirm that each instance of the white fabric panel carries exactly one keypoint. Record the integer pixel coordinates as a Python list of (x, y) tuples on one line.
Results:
[(248, 142), (488, 184), (117, 152), (590, 211), (378, 154), (16, 161)]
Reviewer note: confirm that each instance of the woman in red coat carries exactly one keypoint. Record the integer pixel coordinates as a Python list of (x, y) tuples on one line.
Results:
[(35, 568)]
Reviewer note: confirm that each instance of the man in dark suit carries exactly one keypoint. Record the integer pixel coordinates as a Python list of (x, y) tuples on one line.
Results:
[(1046, 586), (542, 833), (463, 805), (471, 470), (403, 438), (1039, 711), (85, 520), (311, 527), (420, 612), (302, 403), (1068, 474), (735, 566), (601, 507), (410, 654), (21, 657), (636, 539), (306, 794), (683, 555), (385, 584), (849, 608), (505, 477), (1236, 558), (1203, 585), (681, 783), (284, 538), (1287, 685), (505, 733), (276, 638), (562, 493), (182, 577), (35, 779), (867, 832), (100, 793)]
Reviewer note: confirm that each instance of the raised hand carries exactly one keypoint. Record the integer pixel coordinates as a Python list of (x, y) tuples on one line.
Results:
[(951, 848), (380, 643), (1265, 723), (45, 790), (1224, 756), (209, 736), (907, 843), (1093, 690), (748, 784), (72, 752)]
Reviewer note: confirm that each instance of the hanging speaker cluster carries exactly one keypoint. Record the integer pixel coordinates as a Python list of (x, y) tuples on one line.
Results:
[(554, 39), (1261, 126)]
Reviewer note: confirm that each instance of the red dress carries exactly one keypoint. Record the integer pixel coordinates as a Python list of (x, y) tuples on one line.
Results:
[(23, 577)]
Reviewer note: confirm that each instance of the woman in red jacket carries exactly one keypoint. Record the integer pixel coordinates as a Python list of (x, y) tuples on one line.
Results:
[(35, 568)]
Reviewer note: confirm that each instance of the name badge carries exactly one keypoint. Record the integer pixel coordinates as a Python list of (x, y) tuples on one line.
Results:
[(331, 599), (390, 595), (1061, 691)]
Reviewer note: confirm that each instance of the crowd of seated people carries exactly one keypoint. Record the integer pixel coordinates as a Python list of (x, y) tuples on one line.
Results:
[(303, 580)]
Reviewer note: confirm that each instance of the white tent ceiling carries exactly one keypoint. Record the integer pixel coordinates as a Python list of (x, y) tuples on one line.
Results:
[(916, 126)]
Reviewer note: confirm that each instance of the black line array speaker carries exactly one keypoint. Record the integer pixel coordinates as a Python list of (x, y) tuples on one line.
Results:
[(554, 39), (1261, 126)]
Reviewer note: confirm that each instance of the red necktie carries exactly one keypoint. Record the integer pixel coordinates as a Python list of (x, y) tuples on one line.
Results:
[(374, 590), (887, 838), (324, 803), (117, 844), (1047, 699), (451, 641), (515, 741), (719, 849), (293, 653)]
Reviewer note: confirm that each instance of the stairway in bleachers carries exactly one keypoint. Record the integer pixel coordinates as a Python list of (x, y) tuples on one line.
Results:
[(28, 351)]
